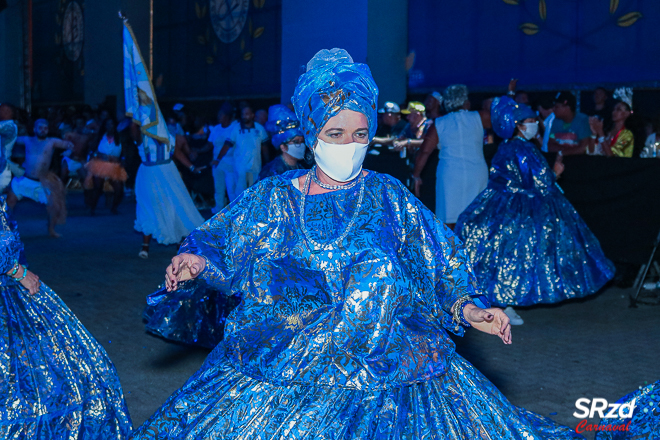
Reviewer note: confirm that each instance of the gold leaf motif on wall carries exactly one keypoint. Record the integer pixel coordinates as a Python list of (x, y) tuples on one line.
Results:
[(215, 48), (511, 2), (258, 32), (201, 40), (242, 43), (543, 10), (529, 28), (203, 11), (629, 19), (209, 60), (614, 4), (198, 10), (247, 56), (258, 3)]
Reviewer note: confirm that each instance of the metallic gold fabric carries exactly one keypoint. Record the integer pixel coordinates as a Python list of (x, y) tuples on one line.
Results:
[(527, 243), (345, 343), (624, 145), (56, 381), (645, 422)]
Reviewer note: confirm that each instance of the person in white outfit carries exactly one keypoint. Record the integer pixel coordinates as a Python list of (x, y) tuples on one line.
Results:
[(462, 172), (223, 168), (247, 142)]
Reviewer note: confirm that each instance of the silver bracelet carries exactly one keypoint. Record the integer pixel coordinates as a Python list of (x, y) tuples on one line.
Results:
[(459, 305)]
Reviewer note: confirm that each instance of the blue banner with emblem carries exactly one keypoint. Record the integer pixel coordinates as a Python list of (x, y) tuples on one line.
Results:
[(548, 44)]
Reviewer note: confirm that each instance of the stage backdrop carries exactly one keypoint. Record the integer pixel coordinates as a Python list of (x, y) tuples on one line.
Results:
[(546, 43), (209, 49)]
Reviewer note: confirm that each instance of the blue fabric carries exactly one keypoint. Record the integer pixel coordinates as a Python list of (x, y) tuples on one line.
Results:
[(56, 382), (282, 125), (333, 83), (349, 342), (645, 422), (505, 114), (277, 166), (527, 243)]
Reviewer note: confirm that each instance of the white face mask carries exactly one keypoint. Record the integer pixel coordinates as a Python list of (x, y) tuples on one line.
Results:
[(341, 162), (297, 151), (530, 131)]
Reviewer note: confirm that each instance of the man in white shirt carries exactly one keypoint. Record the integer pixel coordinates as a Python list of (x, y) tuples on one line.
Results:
[(246, 139), (224, 177)]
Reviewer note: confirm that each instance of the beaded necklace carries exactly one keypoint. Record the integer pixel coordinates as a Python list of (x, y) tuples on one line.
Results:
[(333, 187), (303, 224)]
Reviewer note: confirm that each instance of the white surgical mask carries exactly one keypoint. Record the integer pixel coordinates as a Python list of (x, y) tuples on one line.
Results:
[(297, 151), (530, 131), (341, 162)]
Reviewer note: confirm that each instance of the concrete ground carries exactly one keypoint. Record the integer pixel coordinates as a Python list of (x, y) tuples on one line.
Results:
[(595, 347)]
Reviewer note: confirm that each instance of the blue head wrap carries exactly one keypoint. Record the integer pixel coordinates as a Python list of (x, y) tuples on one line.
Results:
[(505, 114), (333, 82), (282, 124)]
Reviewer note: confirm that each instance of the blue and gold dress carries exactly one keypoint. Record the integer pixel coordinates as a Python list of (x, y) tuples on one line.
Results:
[(645, 421), (56, 381), (338, 335), (525, 240)]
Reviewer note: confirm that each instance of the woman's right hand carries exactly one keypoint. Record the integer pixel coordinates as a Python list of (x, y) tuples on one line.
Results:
[(31, 282), (183, 267)]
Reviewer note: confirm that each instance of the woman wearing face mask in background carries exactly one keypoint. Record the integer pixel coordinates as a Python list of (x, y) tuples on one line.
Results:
[(527, 243), (284, 129), (349, 286)]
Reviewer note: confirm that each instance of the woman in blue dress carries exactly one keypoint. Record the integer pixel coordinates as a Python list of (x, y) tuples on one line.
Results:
[(56, 381), (526, 242), (349, 286)]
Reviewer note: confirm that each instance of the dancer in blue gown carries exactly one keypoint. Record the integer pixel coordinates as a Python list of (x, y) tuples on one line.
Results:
[(56, 381), (526, 242), (349, 286), (645, 421)]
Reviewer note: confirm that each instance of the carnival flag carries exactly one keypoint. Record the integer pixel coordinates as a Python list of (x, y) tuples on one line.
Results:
[(141, 104)]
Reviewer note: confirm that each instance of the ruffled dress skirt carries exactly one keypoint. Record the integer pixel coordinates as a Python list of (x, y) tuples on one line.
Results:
[(219, 402), (106, 170), (528, 250), (56, 381), (192, 315), (164, 207)]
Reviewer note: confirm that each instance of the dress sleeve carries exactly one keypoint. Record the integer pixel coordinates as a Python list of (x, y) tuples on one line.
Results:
[(11, 248), (624, 145), (224, 241), (436, 257)]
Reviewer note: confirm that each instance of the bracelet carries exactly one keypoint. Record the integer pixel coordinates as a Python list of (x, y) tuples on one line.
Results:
[(24, 274), (601, 139), (13, 272), (594, 136), (459, 306), (192, 168), (408, 142)]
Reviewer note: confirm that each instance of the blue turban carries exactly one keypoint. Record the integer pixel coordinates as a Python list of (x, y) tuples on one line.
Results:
[(505, 114), (282, 124), (333, 82)]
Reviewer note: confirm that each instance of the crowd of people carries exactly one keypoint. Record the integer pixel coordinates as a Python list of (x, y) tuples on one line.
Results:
[(329, 213)]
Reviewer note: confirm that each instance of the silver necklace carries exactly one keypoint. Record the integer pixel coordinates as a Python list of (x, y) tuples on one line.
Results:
[(333, 187), (303, 224)]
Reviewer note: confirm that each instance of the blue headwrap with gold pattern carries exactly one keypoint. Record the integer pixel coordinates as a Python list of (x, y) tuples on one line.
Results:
[(333, 82), (505, 114), (282, 125)]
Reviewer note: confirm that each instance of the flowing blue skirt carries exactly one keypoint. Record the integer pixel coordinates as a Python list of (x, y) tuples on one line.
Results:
[(194, 314), (645, 422), (529, 249), (219, 402), (56, 381)]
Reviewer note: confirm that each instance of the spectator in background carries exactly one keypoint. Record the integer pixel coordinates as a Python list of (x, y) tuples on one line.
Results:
[(570, 130), (224, 176), (414, 131), (382, 156), (433, 105), (261, 117), (180, 120), (650, 148), (284, 129), (106, 164), (74, 160), (624, 135), (462, 171), (521, 97), (545, 110), (247, 140), (602, 107)]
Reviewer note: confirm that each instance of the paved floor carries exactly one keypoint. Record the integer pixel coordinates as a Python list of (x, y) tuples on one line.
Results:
[(596, 347)]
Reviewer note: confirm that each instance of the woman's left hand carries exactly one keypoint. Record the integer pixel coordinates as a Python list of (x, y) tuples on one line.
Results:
[(492, 321), (31, 282)]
